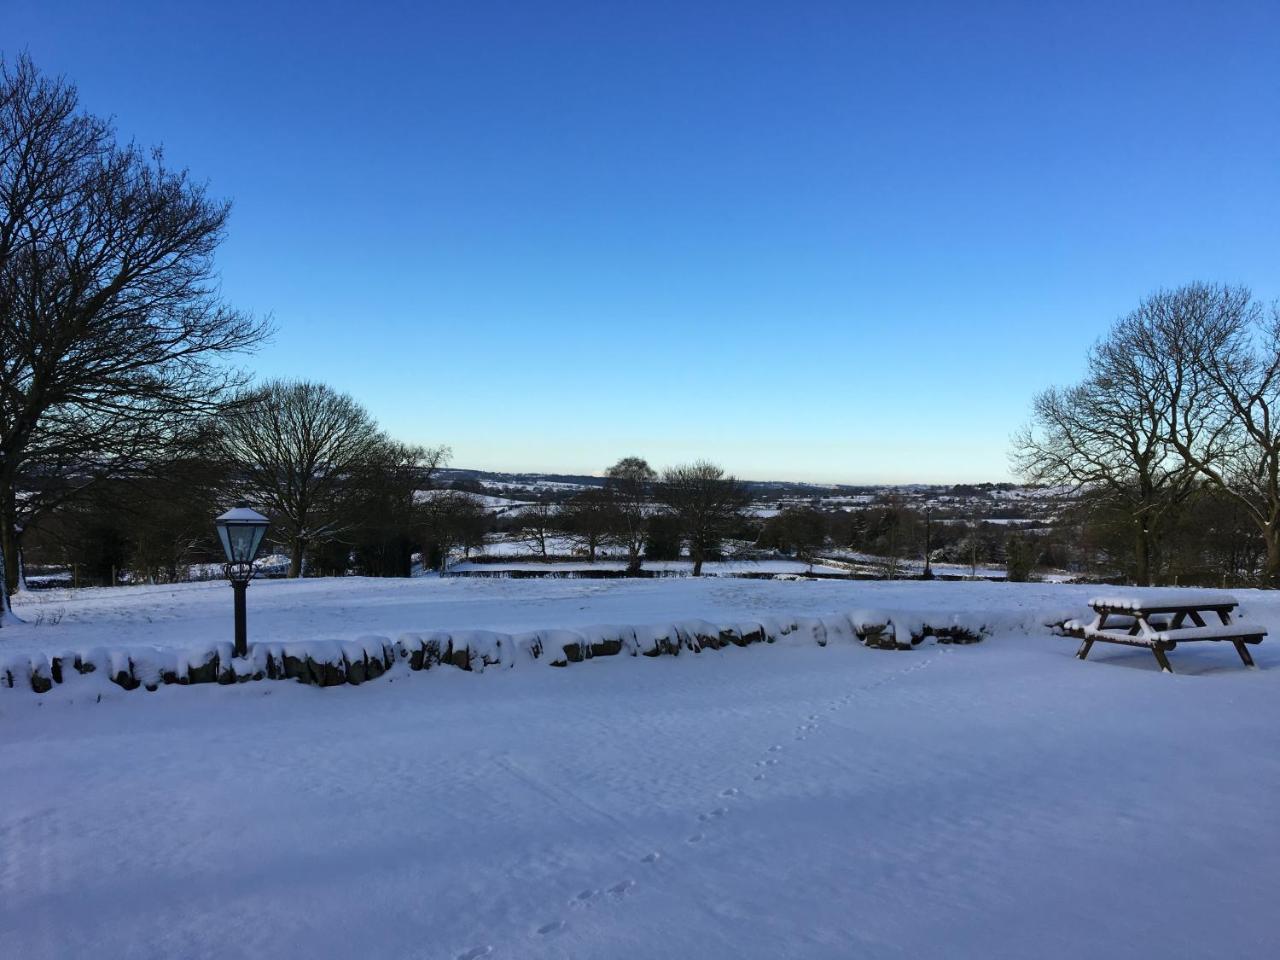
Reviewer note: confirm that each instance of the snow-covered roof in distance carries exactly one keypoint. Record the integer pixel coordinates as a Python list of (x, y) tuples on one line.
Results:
[(242, 515)]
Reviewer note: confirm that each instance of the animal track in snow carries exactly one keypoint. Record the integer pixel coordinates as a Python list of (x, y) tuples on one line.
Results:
[(475, 953), (618, 889), (775, 748), (758, 776), (555, 926), (584, 897), (651, 857), (729, 792), (696, 838)]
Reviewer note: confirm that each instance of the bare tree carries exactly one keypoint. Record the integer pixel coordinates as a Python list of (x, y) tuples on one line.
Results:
[(706, 502), (1218, 354), (302, 448), (629, 483), (450, 520), (590, 520), (113, 338), (538, 522), (798, 530), (385, 507), (1108, 436)]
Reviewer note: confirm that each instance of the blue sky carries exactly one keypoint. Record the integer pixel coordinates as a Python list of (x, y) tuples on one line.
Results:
[(821, 241)]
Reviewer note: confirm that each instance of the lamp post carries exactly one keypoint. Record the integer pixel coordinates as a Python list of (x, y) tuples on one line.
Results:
[(241, 530)]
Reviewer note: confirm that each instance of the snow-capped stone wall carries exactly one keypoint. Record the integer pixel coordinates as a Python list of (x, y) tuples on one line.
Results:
[(326, 663)]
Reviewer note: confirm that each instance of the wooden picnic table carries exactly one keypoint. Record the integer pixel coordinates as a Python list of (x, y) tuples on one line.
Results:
[(1158, 621)]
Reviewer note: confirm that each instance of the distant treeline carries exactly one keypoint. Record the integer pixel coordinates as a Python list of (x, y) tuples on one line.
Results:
[(125, 426)]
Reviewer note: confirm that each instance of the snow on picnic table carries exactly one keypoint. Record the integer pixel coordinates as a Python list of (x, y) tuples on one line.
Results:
[(996, 800), (1150, 599)]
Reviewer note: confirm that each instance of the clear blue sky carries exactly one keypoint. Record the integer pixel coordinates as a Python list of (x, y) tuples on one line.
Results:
[(823, 241)]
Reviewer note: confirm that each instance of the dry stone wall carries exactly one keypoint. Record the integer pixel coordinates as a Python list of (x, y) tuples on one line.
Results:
[(330, 663)]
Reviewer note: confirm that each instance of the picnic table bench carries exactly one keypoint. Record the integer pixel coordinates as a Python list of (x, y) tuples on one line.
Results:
[(1158, 621)]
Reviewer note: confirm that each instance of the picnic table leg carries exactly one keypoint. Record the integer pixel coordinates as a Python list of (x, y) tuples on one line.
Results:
[(1158, 650), (1084, 649), (1244, 653)]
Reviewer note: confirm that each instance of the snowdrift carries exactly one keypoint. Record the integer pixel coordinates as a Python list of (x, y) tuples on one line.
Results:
[(327, 663)]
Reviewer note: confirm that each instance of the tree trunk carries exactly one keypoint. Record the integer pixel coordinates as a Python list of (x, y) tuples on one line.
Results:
[(1142, 556), (633, 557), (296, 549), (9, 539), (1271, 536), (696, 551)]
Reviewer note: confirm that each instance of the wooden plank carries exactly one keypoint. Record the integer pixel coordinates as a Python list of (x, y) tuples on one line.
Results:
[(1244, 653), (1122, 639), (1165, 608), (1084, 649), (1161, 658)]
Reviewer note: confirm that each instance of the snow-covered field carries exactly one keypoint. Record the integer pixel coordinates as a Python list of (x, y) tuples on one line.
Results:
[(712, 568), (996, 800)]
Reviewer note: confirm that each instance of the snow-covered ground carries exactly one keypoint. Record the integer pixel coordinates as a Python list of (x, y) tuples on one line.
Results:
[(712, 568), (996, 800)]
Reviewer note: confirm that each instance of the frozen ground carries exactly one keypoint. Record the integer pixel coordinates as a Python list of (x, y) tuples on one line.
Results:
[(999, 800), (711, 568)]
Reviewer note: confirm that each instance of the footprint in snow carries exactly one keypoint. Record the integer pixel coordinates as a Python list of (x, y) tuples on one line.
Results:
[(775, 748), (475, 953), (555, 926), (584, 897), (651, 857), (773, 763), (758, 776), (696, 838), (729, 792), (618, 889)]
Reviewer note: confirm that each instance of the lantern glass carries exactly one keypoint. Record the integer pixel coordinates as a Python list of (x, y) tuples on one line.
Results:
[(241, 531)]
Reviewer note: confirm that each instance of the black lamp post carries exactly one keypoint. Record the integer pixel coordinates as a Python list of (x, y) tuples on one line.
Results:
[(241, 530)]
